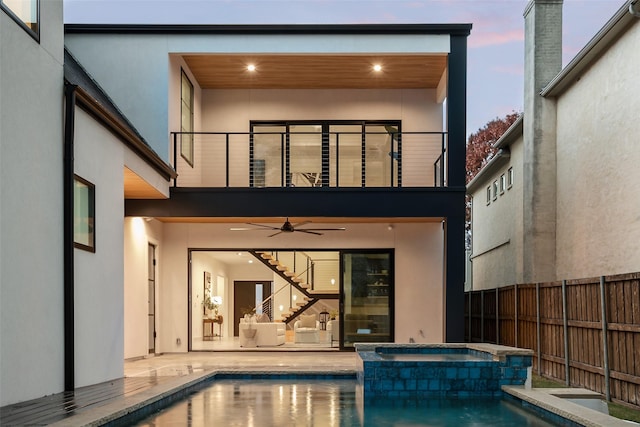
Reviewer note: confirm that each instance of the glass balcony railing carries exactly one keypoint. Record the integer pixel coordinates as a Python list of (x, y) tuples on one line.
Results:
[(310, 159)]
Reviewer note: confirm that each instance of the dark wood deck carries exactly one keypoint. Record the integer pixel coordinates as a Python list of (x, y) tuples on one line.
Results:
[(56, 407)]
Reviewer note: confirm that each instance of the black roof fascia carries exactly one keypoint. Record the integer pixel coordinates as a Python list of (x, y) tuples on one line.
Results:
[(452, 29)]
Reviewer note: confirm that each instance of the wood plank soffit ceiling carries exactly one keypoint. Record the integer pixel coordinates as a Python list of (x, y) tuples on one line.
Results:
[(318, 71)]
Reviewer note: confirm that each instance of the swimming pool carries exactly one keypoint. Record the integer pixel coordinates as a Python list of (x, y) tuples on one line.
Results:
[(326, 403)]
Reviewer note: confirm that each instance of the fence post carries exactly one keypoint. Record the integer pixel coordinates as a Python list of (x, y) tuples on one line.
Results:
[(566, 331), (605, 340), (538, 334), (497, 316), (482, 315), (515, 327)]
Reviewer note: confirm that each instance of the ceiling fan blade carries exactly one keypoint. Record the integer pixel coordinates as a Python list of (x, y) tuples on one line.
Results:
[(271, 227), (275, 234), (301, 223), (324, 229), (309, 232)]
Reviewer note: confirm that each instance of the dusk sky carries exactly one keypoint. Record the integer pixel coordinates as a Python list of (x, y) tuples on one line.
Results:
[(496, 44)]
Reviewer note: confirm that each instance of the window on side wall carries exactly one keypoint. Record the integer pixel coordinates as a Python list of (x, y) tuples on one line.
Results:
[(26, 13), (509, 178), (186, 120), (488, 195), (84, 203), (494, 189), (503, 183)]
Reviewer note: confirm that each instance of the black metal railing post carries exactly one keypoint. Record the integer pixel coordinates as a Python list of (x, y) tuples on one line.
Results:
[(175, 157), (227, 159)]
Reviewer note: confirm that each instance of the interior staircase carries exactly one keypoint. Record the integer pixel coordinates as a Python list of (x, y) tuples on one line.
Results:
[(309, 296)]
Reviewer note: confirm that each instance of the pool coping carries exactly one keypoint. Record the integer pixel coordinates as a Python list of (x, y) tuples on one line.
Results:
[(495, 350), (548, 400)]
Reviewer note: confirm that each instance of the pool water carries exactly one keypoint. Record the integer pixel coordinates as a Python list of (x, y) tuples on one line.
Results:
[(326, 403)]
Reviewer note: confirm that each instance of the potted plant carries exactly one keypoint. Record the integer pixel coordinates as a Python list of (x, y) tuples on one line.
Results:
[(209, 302)]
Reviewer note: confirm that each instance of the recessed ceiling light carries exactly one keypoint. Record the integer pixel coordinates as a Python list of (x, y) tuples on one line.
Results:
[(251, 67), (250, 261), (377, 68)]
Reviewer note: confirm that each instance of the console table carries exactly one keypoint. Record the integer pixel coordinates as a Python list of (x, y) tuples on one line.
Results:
[(205, 322)]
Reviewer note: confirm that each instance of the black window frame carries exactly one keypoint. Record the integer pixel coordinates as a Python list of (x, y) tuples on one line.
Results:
[(190, 161), (91, 214), (35, 34)]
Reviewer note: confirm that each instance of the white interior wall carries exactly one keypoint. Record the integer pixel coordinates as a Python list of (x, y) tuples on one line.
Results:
[(31, 211), (418, 257), (201, 262), (99, 281)]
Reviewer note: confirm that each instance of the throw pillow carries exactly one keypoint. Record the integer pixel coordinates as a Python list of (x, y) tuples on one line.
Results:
[(263, 318), (307, 321)]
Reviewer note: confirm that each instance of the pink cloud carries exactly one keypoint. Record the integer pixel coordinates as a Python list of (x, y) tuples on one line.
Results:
[(495, 38)]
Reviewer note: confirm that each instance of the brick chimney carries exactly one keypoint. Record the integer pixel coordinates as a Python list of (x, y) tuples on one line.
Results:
[(542, 62)]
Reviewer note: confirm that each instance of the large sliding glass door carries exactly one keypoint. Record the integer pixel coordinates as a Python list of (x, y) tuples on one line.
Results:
[(367, 289), (325, 153)]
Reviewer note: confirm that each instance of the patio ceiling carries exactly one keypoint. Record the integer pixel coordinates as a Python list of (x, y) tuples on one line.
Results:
[(317, 71)]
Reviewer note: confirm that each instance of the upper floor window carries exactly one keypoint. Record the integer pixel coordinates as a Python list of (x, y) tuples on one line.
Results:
[(503, 183), (186, 120), (488, 195), (26, 13), (494, 189), (509, 177)]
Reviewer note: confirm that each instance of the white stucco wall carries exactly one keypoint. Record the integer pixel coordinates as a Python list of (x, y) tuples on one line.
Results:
[(497, 228), (135, 70), (99, 288), (418, 257), (138, 234), (31, 212), (598, 220)]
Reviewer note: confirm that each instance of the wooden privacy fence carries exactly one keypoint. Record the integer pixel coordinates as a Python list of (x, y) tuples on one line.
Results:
[(575, 337)]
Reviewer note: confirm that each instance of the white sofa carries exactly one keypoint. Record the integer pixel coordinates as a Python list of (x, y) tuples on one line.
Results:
[(267, 334)]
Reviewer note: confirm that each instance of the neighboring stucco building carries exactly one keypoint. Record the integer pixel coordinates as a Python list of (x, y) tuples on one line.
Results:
[(570, 203), (121, 164)]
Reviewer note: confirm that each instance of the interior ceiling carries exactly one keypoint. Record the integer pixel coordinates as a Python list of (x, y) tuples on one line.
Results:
[(317, 71), (295, 220)]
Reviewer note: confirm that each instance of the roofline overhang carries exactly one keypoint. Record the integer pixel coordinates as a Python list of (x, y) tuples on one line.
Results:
[(619, 23), (85, 101), (500, 159), (511, 135), (294, 29)]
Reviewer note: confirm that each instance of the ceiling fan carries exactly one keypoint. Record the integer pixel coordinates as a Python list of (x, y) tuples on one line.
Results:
[(287, 227)]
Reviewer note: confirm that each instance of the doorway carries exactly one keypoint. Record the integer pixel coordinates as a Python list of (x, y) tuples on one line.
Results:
[(152, 297), (247, 295)]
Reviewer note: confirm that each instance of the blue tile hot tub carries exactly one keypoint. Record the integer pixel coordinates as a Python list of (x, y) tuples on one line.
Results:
[(424, 370)]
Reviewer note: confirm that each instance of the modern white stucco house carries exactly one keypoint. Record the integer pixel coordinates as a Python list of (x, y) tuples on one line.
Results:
[(560, 199), (176, 143)]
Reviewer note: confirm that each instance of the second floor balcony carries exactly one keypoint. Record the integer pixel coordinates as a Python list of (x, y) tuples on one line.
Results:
[(311, 155)]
